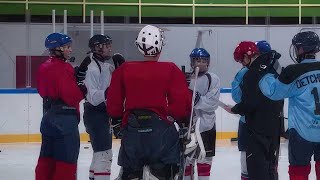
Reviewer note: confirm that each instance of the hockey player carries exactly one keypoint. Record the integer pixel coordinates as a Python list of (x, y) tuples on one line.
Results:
[(300, 83), (261, 113), (207, 96), (263, 47), (144, 94), (58, 87), (96, 120)]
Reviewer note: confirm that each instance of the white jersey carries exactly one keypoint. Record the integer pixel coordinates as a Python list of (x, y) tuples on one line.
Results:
[(208, 103), (97, 82)]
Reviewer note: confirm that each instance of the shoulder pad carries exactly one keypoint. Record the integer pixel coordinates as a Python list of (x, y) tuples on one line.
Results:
[(292, 72)]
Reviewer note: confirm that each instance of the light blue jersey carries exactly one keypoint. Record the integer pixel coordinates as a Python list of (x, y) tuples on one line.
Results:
[(236, 88), (301, 84)]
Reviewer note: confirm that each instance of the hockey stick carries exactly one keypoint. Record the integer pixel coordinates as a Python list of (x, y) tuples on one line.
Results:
[(196, 72), (182, 133)]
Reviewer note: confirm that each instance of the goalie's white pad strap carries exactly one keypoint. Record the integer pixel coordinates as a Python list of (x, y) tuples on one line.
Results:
[(202, 154), (147, 174)]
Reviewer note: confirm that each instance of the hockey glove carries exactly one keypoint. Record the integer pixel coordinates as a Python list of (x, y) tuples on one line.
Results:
[(80, 71), (80, 75), (277, 67), (118, 59), (275, 62)]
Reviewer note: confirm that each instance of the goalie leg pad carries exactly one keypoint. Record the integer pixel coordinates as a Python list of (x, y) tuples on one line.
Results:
[(243, 162), (102, 165), (91, 170)]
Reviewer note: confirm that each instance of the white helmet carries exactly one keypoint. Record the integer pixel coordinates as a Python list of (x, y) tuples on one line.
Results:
[(150, 40)]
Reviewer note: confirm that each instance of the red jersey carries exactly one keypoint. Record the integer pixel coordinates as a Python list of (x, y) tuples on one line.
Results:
[(56, 80), (157, 86)]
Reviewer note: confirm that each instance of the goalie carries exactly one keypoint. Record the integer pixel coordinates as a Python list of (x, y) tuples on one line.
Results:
[(144, 93)]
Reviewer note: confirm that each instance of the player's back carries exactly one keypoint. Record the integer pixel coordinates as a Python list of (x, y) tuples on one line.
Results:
[(147, 83), (157, 86), (304, 104)]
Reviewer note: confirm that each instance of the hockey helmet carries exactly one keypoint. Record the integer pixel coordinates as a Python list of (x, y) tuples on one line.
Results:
[(150, 40), (99, 39), (263, 46), (304, 43), (55, 40), (245, 48), (199, 53)]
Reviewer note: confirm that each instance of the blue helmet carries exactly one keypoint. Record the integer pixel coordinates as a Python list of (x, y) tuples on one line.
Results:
[(199, 53), (55, 40), (263, 46)]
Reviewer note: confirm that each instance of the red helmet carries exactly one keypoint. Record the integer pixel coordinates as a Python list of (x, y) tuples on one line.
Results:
[(245, 47)]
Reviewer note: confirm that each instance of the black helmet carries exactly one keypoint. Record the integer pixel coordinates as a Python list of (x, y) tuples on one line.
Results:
[(99, 39), (309, 42)]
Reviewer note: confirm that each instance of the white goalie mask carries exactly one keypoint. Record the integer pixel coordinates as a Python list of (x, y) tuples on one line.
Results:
[(150, 40)]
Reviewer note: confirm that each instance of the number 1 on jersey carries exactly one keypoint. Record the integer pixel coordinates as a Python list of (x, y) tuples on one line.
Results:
[(316, 100)]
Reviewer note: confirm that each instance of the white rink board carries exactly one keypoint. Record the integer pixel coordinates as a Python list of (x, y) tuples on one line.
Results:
[(21, 114)]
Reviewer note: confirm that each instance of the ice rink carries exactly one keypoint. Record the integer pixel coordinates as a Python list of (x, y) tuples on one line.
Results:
[(17, 161)]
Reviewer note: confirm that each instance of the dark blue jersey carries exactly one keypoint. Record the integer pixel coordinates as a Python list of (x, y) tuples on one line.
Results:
[(262, 114)]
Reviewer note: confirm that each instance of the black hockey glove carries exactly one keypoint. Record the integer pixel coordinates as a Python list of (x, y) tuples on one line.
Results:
[(118, 59), (80, 71), (275, 65), (80, 74)]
